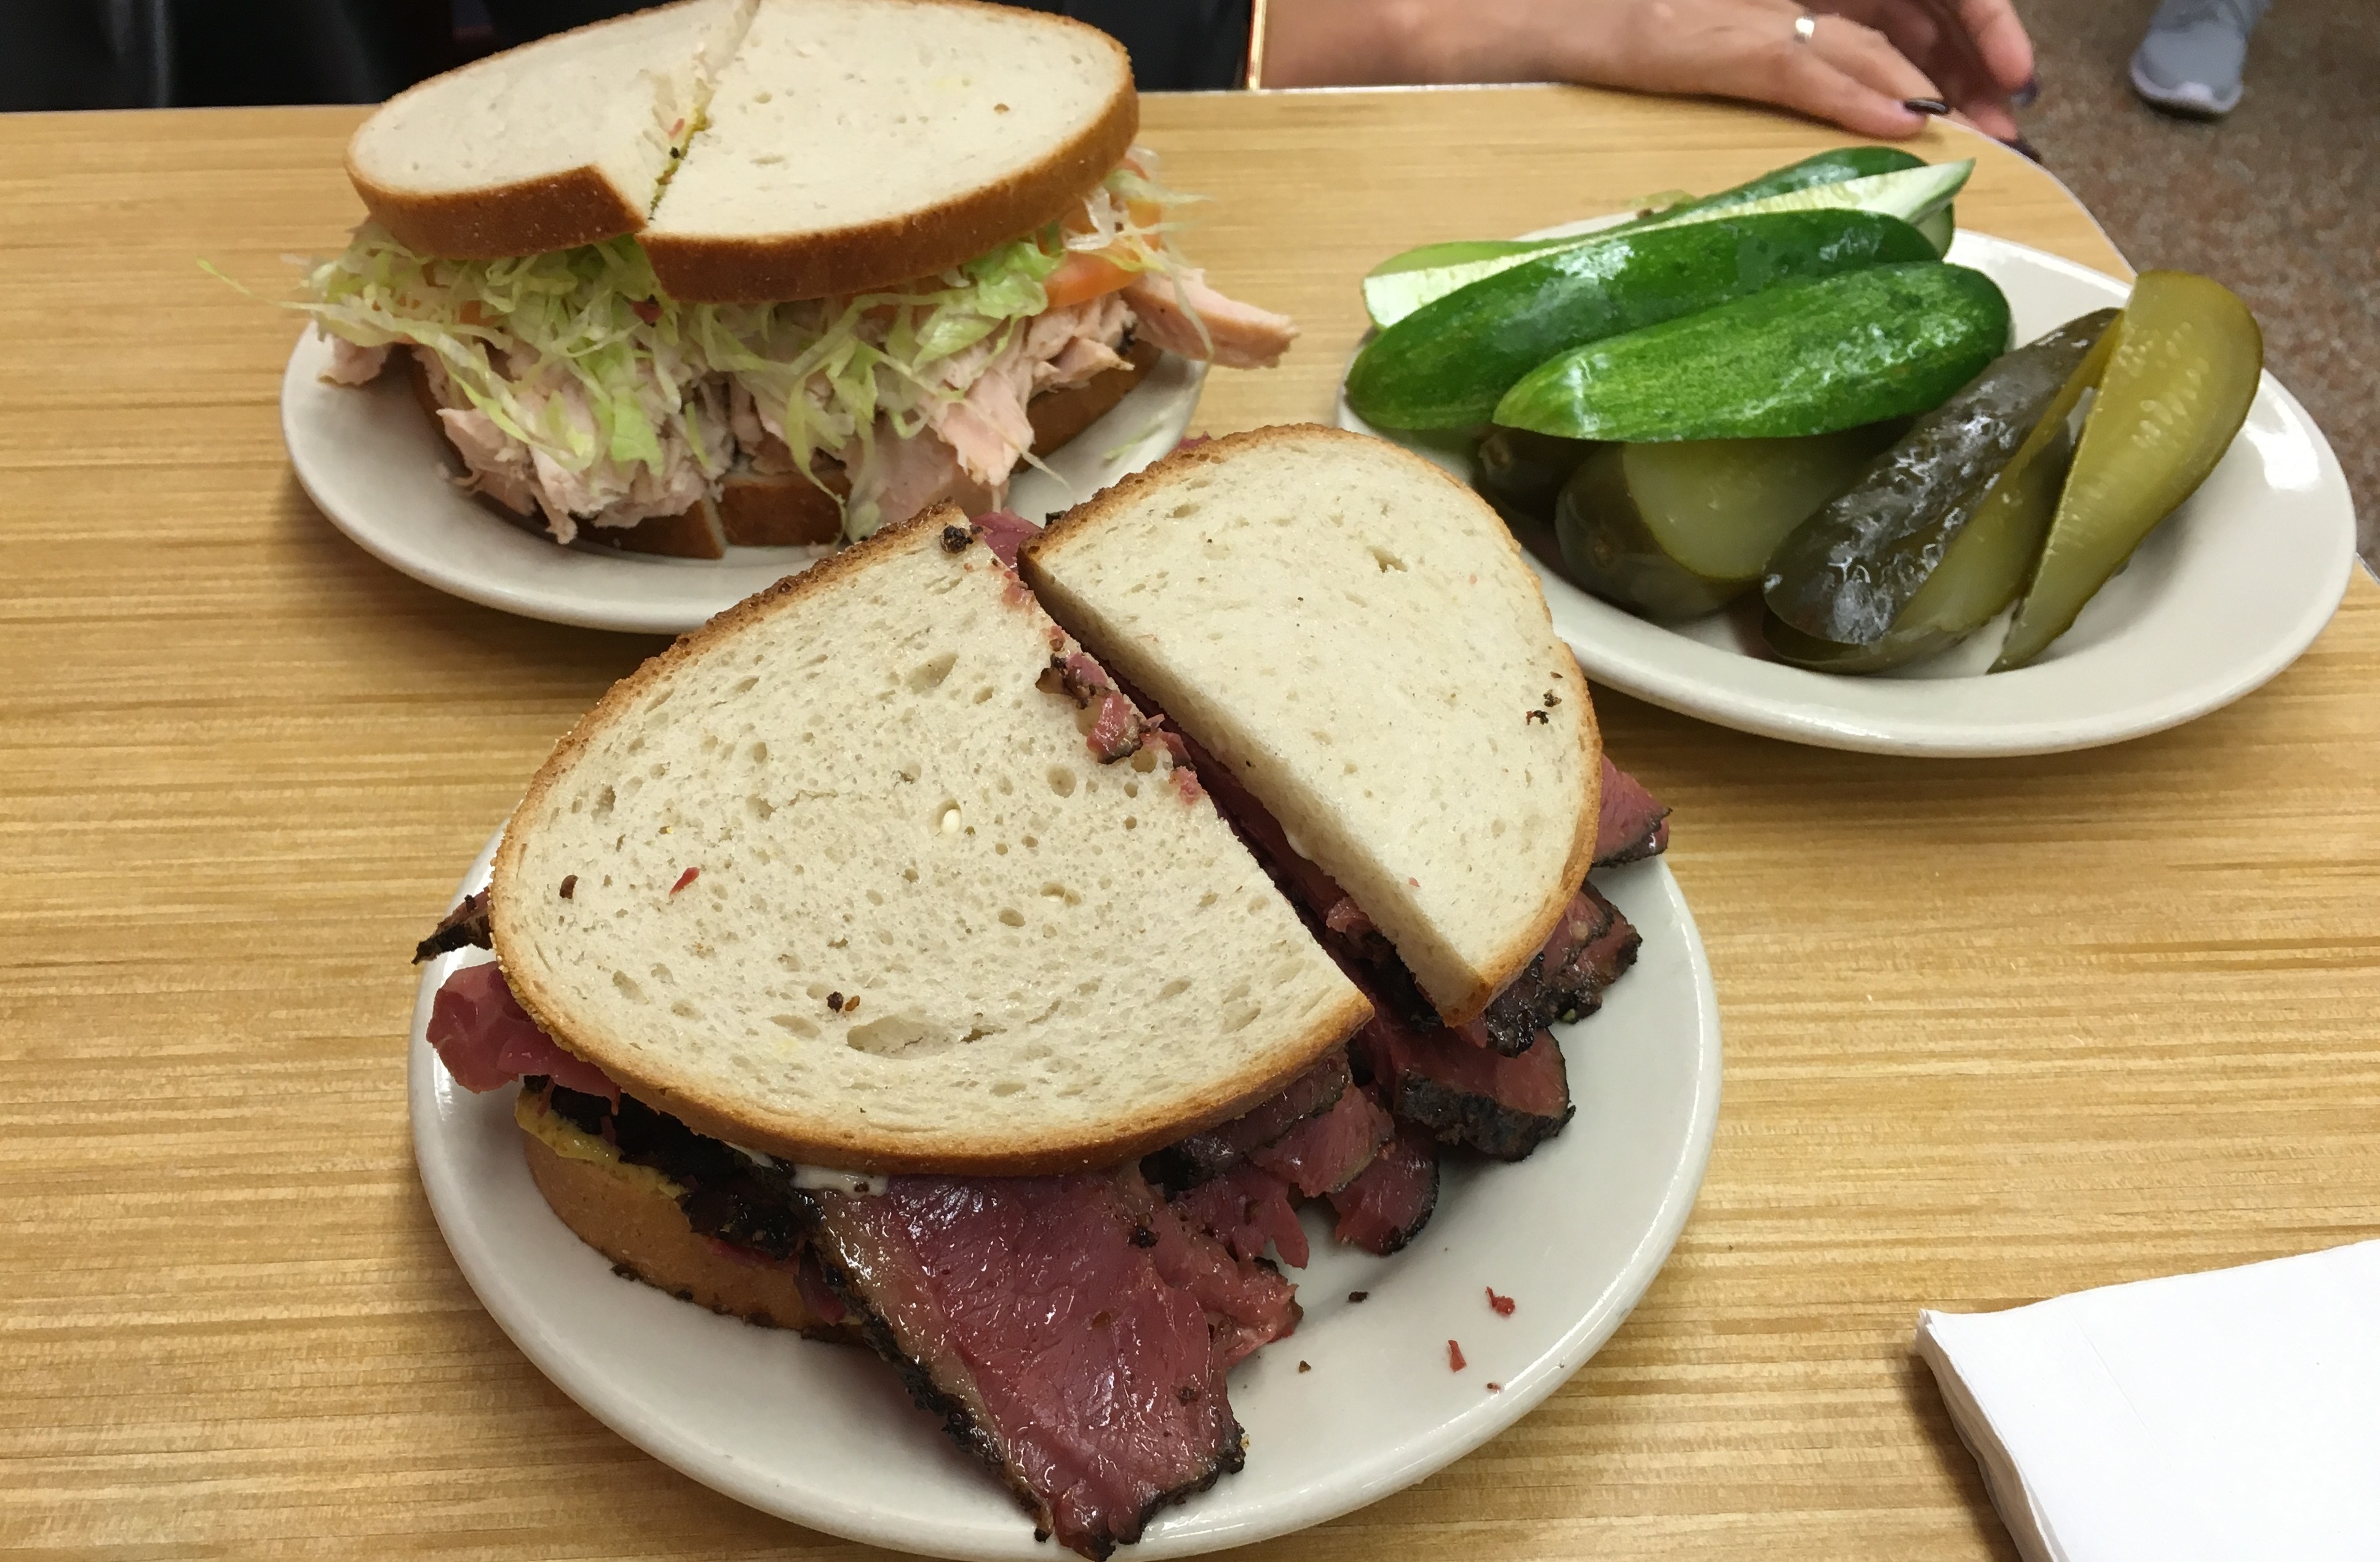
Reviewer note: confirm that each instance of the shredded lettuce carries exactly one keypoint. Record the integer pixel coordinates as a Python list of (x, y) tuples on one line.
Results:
[(581, 355)]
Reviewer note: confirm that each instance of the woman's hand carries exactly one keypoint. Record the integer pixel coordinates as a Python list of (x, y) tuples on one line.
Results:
[(1975, 51), (1862, 63)]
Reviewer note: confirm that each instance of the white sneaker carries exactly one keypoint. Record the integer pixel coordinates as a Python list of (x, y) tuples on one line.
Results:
[(2191, 60)]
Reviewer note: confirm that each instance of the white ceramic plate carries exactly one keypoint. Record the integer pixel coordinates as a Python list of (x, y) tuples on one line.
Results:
[(2218, 599), (824, 1436), (384, 474)]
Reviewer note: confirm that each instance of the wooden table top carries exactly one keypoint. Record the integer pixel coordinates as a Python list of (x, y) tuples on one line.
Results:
[(1994, 1030)]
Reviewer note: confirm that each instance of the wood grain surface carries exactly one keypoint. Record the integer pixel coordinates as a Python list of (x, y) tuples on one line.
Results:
[(1994, 1030)]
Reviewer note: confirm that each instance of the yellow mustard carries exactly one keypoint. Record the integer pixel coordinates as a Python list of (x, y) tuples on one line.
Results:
[(569, 1140)]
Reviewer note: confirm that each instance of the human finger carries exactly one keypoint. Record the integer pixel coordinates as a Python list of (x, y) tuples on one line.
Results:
[(1833, 76), (1971, 83), (2000, 39), (1869, 58), (1909, 26), (1938, 45), (1933, 43)]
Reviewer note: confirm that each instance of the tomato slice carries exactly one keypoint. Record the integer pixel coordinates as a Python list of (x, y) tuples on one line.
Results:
[(1082, 276)]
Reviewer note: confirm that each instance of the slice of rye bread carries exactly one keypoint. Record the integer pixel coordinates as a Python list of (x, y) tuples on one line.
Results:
[(852, 144), (848, 887), (635, 1223), (1358, 636), (559, 142)]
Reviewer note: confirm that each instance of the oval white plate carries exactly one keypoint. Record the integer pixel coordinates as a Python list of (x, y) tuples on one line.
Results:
[(2217, 601), (824, 1436), (385, 476)]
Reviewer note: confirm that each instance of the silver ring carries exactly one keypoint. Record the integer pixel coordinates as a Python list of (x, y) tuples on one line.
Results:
[(1805, 26)]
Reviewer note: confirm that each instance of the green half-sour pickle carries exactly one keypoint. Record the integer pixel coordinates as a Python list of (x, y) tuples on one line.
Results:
[(1676, 531), (1848, 577), (1801, 358), (2183, 374), (1832, 167), (1447, 364), (1399, 286)]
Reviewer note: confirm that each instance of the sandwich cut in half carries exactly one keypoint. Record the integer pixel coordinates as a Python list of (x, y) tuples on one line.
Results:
[(878, 963), (768, 272), (847, 884), (1364, 665), (853, 957)]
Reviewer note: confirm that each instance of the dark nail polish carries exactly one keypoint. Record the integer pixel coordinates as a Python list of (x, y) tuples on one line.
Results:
[(1925, 105), (2020, 144), (2028, 94)]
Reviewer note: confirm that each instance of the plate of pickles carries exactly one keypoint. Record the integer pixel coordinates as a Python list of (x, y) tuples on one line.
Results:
[(1807, 459)]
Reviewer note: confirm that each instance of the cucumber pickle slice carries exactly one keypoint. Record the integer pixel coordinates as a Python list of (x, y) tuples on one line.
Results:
[(2187, 360), (1404, 283), (1801, 358), (1826, 168), (1680, 529), (1446, 365), (1839, 589)]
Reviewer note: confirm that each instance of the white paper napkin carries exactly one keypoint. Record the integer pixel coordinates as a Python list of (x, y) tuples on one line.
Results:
[(2228, 1416)]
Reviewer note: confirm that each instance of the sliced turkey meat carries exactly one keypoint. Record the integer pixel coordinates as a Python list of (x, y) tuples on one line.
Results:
[(1172, 310)]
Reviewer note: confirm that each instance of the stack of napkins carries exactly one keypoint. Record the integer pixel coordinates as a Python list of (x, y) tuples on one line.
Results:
[(2224, 1416)]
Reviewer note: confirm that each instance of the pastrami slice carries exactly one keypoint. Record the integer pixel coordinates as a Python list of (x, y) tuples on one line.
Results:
[(1205, 1156), (1248, 1304), (1031, 1315), (1246, 1208), (1328, 1151), (1387, 1206), (465, 926), (1587, 951), (486, 1040), (1468, 1095), (1630, 824)]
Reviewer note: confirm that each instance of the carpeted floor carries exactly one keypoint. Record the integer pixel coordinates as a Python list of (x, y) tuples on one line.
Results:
[(2281, 201)]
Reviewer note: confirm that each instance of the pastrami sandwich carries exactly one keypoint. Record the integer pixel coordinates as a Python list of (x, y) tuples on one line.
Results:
[(1367, 673), (768, 272), (879, 961)]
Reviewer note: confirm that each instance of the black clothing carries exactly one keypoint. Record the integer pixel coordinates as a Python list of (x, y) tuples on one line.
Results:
[(1176, 45), (160, 54), (155, 53)]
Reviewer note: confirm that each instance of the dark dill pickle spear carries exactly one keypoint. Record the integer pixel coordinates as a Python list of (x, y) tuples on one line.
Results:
[(1978, 577), (2187, 360), (1681, 528), (1848, 572), (1986, 563), (1523, 472)]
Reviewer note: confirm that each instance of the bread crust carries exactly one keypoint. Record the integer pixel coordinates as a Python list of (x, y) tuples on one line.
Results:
[(842, 1142), (1513, 958), (525, 217), (646, 1234), (700, 269), (531, 217)]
